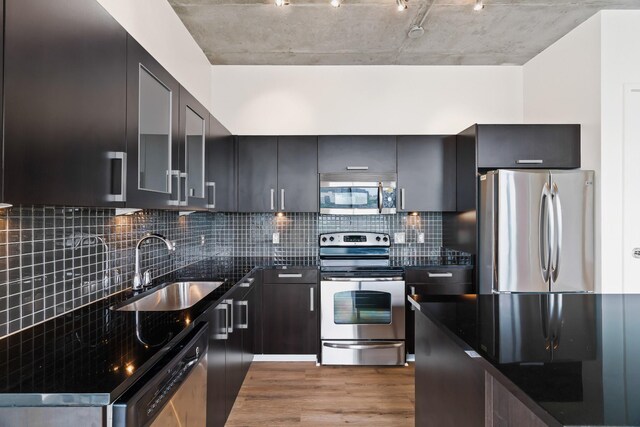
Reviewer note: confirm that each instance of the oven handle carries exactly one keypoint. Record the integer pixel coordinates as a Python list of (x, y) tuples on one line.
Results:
[(363, 279), (363, 346)]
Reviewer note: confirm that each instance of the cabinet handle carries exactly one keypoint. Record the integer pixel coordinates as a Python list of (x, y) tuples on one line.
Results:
[(380, 197), (412, 291), (229, 302), (175, 174), (225, 331), (212, 200), (273, 202), (247, 283), (440, 274), (244, 325), (282, 199), (357, 168), (183, 175), (529, 162), (311, 305), (121, 195), (290, 275), (402, 198)]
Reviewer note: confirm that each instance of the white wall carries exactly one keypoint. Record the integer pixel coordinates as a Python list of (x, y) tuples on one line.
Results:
[(620, 66), (364, 99), (562, 85), (155, 25)]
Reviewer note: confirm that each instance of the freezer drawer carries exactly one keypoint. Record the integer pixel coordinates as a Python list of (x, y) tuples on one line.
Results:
[(363, 353)]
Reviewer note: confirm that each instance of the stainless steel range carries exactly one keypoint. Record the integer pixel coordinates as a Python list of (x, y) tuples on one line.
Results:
[(362, 301)]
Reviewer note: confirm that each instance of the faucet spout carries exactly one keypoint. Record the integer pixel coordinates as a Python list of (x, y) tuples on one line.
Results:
[(138, 281)]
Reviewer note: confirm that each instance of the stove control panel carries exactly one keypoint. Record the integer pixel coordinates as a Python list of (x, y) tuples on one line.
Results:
[(355, 239)]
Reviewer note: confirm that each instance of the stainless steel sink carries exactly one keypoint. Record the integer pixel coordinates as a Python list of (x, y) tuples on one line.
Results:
[(169, 297)]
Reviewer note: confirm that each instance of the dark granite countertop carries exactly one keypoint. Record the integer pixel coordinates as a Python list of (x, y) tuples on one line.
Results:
[(577, 356), (93, 354)]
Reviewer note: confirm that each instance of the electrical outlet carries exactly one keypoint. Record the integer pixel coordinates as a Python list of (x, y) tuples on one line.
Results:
[(399, 238), (276, 238), (202, 240), (420, 237)]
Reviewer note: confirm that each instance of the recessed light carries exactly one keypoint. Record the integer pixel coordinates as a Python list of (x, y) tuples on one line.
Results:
[(415, 32), (478, 6), (402, 5)]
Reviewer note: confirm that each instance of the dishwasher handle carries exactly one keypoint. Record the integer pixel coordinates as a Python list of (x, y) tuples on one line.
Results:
[(148, 395)]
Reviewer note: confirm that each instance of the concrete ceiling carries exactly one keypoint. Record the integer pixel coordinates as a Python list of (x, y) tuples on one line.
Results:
[(363, 32)]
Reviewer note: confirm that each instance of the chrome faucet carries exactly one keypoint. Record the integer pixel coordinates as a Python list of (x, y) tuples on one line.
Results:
[(140, 281)]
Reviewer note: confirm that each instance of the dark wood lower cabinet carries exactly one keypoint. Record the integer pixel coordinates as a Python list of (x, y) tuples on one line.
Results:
[(504, 409), (216, 366), (290, 318), (454, 389), (232, 325)]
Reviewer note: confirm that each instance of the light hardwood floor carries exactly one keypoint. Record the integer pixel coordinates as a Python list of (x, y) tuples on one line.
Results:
[(301, 393)]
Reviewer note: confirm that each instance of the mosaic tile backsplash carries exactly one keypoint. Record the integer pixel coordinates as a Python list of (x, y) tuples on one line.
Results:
[(56, 259)]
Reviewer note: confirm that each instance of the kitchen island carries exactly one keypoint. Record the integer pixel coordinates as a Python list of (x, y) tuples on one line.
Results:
[(527, 360)]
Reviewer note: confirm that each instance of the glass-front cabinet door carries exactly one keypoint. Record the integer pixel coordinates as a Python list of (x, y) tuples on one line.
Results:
[(152, 126), (194, 144), (194, 125), (154, 134)]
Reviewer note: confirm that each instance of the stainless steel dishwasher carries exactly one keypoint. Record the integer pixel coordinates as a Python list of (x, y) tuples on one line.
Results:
[(173, 392)]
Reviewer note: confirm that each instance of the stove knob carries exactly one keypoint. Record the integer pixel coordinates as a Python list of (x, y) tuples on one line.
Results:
[(385, 239), (378, 238), (324, 239), (331, 239)]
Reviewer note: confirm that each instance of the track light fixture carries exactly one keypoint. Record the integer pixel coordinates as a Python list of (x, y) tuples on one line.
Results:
[(478, 6), (336, 3), (402, 5)]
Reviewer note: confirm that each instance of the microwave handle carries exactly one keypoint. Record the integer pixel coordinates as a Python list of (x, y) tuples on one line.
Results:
[(380, 197)]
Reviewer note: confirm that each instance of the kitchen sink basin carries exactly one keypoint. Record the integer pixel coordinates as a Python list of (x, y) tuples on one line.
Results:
[(169, 297)]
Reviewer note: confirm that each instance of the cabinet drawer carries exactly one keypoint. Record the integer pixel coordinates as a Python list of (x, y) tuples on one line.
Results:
[(291, 275), (440, 289), (439, 276)]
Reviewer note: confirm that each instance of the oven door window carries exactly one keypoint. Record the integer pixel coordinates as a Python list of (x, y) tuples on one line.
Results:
[(362, 308), (349, 197)]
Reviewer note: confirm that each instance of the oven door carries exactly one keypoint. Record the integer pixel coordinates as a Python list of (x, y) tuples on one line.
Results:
[(362, 309), (363, 197)]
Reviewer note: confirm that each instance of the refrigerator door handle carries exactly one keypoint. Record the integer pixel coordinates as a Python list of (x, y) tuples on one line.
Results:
[(557, 244), (545, 232)]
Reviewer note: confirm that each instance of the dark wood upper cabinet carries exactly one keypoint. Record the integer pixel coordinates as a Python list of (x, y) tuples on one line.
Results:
[(65, 102), (277, 174), (194, 126), (297, 174), (528, 146), (353, 153), (426, 173), (257, 173), (153, 144), (220, 152), (1, 98)]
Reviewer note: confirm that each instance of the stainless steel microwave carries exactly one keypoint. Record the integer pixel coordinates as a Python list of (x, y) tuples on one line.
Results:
[(357, 194)]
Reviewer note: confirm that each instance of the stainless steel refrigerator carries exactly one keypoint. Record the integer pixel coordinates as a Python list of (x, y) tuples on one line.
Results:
[(536, 231)]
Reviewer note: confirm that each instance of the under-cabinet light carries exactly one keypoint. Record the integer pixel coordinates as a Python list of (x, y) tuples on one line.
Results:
[(5, 205), (282, 2), (126, 211), (185, 213), (478, 6), (336, 3)]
